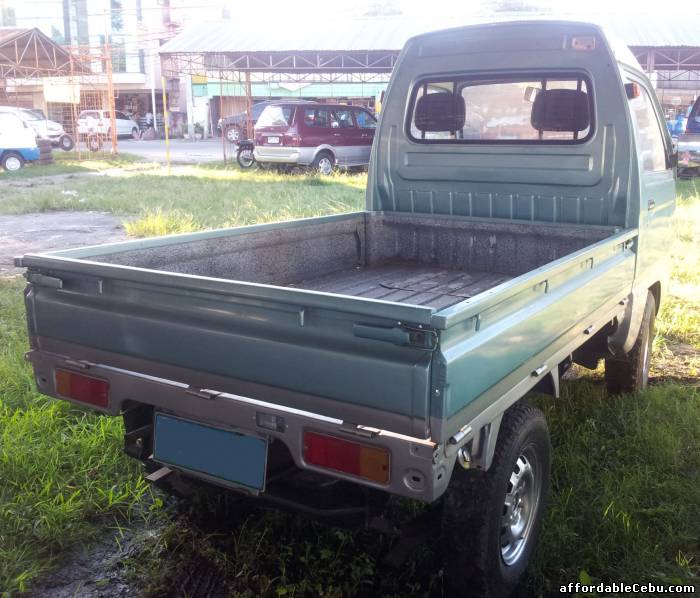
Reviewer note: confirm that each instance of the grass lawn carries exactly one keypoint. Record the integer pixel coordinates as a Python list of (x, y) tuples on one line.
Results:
[(71, 163), (195, 197), (626, 477)]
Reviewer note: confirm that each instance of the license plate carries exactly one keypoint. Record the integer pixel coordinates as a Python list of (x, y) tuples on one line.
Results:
[(222, 454), (273, 139)]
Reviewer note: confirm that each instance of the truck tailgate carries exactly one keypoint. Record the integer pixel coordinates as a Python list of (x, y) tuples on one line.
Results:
[(360, 360)]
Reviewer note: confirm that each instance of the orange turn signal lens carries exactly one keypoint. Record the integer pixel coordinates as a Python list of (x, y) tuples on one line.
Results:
[(362, 460), (85, 389)]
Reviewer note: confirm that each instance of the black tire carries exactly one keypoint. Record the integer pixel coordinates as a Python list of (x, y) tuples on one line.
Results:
[(631, 374), (11, 161), (66, 143), (477, 561), (245, 158), (135, 133), (324, 163)]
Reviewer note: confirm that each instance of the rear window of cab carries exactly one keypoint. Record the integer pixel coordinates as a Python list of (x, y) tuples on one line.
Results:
[(530, 109)]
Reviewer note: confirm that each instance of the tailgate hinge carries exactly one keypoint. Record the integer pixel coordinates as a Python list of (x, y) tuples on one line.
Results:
[(202, 393), (358, 430)]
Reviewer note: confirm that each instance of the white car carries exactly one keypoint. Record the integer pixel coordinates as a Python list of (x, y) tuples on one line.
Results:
[(98, 121), (42, 126), (17, 142)]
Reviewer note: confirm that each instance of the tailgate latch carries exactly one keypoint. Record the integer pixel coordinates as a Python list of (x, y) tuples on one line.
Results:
[(44, 280), (404, 336)]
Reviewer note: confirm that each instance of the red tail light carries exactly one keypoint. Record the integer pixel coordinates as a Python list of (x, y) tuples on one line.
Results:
[(82, 388), (358, 459)]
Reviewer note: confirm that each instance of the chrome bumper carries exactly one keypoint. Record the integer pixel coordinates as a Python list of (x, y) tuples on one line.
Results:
[(283, 155), (419, 469)]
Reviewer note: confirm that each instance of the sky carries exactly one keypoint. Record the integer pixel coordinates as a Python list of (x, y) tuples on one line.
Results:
[(455, 8)]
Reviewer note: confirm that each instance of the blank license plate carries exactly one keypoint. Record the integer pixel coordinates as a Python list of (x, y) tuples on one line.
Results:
[(273, 139), (215, 452)]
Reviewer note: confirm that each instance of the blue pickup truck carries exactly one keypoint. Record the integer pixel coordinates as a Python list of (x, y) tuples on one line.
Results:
[(520, 193)]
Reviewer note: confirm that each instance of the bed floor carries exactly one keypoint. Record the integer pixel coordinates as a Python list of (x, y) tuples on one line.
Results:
[(413, 283)]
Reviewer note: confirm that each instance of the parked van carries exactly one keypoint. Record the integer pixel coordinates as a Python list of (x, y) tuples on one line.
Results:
[(17, 142), (322, 136), (689, 144)]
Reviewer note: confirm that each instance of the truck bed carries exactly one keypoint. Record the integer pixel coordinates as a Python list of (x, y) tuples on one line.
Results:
[(428, 260), (406, 282), (338, 315)]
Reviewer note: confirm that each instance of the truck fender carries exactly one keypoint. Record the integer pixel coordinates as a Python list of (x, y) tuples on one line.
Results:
[(621, 341)]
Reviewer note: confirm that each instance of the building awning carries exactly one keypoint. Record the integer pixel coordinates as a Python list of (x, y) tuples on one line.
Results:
[(29, 53)]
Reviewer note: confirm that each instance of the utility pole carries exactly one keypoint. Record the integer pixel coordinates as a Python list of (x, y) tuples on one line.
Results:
[(248, 106), (110, 87)]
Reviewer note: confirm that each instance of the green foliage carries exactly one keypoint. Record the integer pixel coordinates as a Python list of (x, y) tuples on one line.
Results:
[(62, 469)]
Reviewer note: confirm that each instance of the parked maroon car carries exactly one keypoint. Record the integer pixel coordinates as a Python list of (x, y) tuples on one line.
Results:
[(322, 136)]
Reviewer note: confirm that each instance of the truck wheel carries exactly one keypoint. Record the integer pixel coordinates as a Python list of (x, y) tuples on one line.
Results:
[(324, 163), (631, 374), (11, 161), (491, 519), (66, 142)]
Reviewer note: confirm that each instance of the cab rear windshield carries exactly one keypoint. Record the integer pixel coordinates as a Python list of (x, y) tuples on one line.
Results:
[(537, 108), (276, 116)]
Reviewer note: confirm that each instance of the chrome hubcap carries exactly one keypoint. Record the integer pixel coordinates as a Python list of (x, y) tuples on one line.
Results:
[(520, 506), (12, 164), (325, 166)]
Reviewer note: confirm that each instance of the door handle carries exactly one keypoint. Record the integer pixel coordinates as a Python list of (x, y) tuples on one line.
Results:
[(651, 204)]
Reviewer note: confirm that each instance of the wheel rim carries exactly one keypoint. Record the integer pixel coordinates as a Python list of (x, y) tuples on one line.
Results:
[(65, 142), (325, 166), (520, 506), (13, 163), (246, 158), (232, 135)]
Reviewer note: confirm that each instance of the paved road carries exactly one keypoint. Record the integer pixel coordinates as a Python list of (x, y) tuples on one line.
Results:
[(181, 151), (49, 231)]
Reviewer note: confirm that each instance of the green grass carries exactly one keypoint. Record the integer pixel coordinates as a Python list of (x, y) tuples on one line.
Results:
[(71, 163), (626, 471), (62, 469), (196, 197)]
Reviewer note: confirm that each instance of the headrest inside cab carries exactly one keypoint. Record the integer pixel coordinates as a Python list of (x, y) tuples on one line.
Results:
[(561, 110), (439, 112)]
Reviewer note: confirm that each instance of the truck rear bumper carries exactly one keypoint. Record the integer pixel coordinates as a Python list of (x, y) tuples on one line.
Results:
[(418, 468)]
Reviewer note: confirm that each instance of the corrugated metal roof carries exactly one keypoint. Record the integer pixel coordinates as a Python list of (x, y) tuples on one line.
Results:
[(7, 34), (390, 33)]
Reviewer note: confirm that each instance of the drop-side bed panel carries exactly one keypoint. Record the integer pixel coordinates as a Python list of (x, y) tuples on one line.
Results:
[(331, 334)]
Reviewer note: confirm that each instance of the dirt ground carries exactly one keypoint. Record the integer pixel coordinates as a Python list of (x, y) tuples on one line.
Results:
[(50, 231)]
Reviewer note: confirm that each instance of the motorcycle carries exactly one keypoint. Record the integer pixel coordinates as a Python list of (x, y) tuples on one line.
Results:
[(244, 154)]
